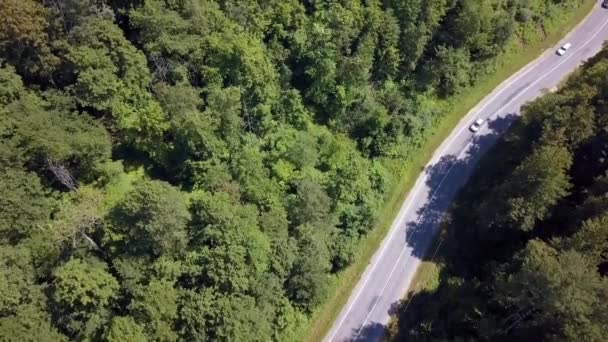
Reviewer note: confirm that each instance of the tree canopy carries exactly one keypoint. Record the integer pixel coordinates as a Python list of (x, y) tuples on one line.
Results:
[(200, 170)]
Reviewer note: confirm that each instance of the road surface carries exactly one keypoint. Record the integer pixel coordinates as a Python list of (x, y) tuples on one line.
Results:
[(392, 268)]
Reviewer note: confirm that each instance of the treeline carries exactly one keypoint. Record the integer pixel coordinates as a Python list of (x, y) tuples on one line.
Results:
[(525, 256), (198, 170)]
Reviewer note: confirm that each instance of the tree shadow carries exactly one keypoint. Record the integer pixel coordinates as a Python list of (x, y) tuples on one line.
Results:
[(423, 314), (370, 332), (445, 179)]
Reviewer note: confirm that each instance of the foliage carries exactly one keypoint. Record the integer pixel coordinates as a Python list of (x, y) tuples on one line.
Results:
[(151, 220), (124, 329), (25, 205), (82, 292), (201, 169)]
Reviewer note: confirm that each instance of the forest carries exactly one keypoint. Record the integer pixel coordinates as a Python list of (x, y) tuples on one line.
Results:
[(525, 253), (194, 170)]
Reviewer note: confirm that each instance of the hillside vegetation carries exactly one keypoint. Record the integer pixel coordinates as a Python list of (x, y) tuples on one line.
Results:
[(200, 170), (525, 252)]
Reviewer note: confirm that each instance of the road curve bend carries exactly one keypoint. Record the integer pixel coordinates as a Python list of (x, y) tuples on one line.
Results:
[(392, 268)]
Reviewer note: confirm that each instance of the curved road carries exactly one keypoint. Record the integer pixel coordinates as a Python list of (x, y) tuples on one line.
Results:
[(392, 268)]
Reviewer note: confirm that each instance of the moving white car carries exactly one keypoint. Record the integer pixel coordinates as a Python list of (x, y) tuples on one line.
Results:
[(562, 50), (477, 125)]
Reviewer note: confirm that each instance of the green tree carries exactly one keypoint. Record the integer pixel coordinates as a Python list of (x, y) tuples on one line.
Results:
[(25, 205), (230, 248), (82, 293), (194, 311), (450, 71), (472, 27), (249, 169), (275, 225), (208, 315), (18, 287), (112, 77), (307, 285), (531, 190), (124, 329), (387, 58), (150, 220), (155, 307), (564, 291), (309, 204), (29, 325), (418, 21), (271, 300), (238, 318), (565, 118), (43, 137), (196, 135), (12, 85), (24, 38), (592, 239)]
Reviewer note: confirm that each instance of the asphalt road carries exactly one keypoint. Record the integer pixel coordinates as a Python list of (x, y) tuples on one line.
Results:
[(392, 268)]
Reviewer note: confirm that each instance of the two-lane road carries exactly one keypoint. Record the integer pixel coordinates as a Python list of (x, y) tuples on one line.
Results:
[(392, 268)]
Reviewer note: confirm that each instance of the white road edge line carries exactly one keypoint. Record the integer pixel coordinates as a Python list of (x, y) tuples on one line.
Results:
[(443, 150), (467, 145)]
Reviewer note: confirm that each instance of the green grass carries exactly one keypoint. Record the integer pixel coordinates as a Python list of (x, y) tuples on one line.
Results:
[(426, 278), (508, 63)]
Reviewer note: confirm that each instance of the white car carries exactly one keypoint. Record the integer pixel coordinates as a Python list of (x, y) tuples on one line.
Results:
[(476, 125), (562, 50)]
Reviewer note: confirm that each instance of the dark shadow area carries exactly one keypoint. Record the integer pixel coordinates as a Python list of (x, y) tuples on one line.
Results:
[(371, 332), (425, 312), (445, 178), (393, 309)]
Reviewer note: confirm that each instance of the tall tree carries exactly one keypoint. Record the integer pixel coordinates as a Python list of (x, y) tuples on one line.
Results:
[(25, 205), (82, 293), (231, 251), (150, 220), (563, 291)]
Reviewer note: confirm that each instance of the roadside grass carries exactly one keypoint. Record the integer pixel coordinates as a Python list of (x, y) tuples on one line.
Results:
[(509, 62), (427, 277), (428, 272)]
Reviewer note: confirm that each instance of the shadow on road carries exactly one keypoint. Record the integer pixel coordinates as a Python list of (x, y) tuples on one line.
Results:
[(444, 178), (371, 332)]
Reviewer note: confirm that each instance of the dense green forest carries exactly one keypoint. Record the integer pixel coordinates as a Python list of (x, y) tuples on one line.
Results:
[(200, 170), (525, 252)]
